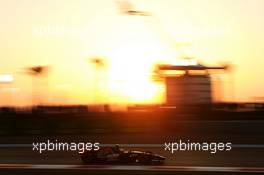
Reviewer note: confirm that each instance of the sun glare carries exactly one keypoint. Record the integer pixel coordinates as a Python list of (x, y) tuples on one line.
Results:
[(132, 50), (130, 71)]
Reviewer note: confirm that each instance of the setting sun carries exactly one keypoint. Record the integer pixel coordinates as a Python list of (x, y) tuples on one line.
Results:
[(132, 53)]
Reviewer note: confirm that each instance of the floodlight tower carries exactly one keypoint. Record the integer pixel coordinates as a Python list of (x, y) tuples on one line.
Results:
[(99, 64), (36, 72)]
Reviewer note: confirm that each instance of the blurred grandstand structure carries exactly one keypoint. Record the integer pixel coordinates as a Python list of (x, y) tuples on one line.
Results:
[(188, 85)]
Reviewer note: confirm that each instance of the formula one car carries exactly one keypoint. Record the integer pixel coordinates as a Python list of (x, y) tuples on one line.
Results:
[(114, 155)]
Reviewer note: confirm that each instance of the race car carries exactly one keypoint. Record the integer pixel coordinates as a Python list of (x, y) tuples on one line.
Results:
[(115, 155)]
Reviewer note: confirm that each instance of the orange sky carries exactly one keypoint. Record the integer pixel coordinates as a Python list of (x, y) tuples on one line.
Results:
[(65, 34)]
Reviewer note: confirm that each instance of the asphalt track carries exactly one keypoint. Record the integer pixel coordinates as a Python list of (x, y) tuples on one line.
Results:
[(245, 157), (247, 154), (115, 168)]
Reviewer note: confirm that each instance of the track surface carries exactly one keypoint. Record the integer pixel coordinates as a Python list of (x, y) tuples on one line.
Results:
[(247, 138)]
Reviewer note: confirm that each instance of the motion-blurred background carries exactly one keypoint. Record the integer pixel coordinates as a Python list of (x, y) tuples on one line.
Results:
[(106, 52)]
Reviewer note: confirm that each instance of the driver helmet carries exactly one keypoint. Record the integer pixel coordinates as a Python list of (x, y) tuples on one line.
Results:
[(117, 147)]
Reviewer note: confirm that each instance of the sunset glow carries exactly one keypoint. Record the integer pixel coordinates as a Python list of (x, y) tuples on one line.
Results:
[(72, 33)]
